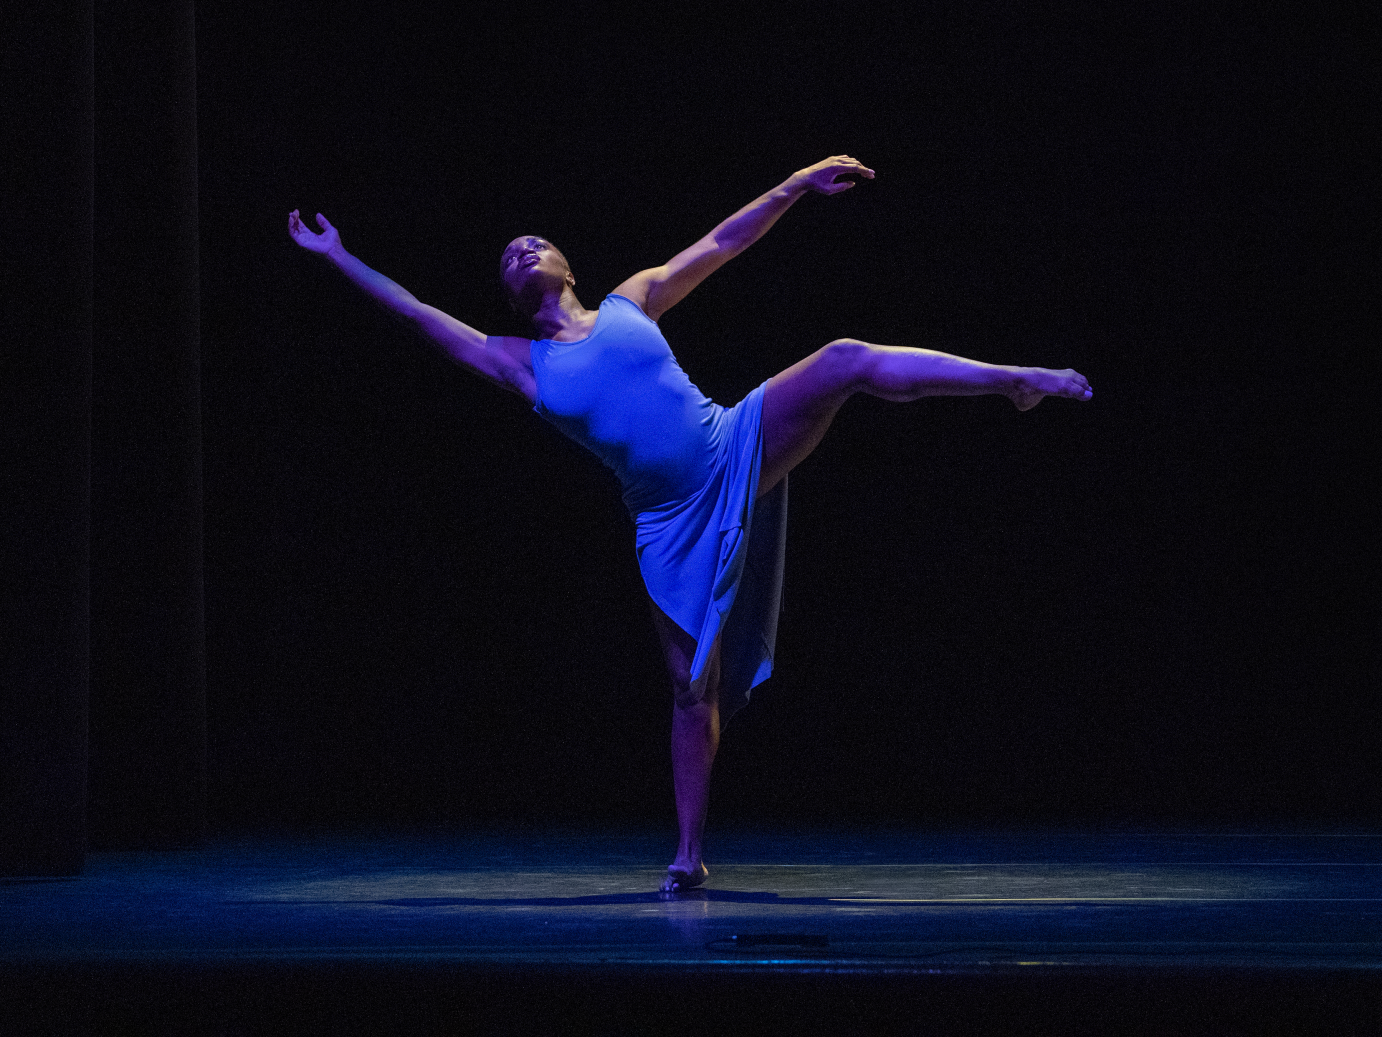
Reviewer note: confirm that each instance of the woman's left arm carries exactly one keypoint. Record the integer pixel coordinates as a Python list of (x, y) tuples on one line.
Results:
[(659, 288)]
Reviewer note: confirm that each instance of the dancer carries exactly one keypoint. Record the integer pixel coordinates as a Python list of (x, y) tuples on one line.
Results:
[(706, 485)]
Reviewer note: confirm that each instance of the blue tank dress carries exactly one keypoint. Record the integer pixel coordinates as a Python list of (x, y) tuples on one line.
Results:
[(711, 556)]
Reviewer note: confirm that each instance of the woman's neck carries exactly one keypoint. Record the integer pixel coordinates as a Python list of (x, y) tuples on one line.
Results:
[(563, 318)]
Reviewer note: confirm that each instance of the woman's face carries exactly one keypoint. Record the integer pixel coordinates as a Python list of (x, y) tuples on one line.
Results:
[(529, 263)]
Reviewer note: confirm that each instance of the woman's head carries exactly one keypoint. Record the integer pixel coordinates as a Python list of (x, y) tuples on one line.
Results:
[(531, 269)]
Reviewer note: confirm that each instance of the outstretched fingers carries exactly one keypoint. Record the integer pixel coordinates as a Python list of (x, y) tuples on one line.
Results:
[(299, 231), (850, 164), (824, 176), (308, 238), (847, 166)]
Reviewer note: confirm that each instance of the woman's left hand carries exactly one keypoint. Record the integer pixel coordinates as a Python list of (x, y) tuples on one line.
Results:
[(823, 177)]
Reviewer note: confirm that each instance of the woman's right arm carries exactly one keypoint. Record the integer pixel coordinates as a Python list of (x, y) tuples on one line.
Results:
[(502, 359)]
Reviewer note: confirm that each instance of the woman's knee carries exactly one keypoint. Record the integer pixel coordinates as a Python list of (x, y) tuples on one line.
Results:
[(848, 360), (696, 696), (688, 697)]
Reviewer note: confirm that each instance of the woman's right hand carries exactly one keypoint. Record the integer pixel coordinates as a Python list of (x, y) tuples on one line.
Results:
[(324, 242), (821, 177)]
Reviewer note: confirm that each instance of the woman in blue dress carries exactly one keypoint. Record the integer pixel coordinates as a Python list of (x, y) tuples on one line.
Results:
[(706, 485)]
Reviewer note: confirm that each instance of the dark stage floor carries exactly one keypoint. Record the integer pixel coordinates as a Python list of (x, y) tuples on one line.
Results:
[(1105, 933)]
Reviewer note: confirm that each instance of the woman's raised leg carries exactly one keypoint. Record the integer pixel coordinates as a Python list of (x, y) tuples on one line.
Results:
[(695, 739), (800, 403)]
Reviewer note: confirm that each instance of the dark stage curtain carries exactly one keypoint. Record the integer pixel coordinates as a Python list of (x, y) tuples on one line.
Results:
[(148, 685), (45, 353)]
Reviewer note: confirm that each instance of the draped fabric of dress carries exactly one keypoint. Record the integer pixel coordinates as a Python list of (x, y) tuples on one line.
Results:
[(711, 556)]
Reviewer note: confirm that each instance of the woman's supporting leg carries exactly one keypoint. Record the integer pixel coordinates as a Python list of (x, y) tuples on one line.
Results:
[(798, 407), (800, 403), (695, 739)]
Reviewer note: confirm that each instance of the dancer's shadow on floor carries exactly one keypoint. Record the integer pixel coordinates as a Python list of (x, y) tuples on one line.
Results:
[(723, 896)]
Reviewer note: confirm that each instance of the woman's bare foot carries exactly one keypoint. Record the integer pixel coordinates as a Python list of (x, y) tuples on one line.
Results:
[(683, 876), (1036, 383)]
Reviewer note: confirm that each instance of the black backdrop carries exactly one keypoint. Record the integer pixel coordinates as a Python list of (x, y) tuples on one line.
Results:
[(422, 604)]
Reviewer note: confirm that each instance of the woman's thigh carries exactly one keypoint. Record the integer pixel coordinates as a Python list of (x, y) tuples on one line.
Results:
[(800, 403)]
